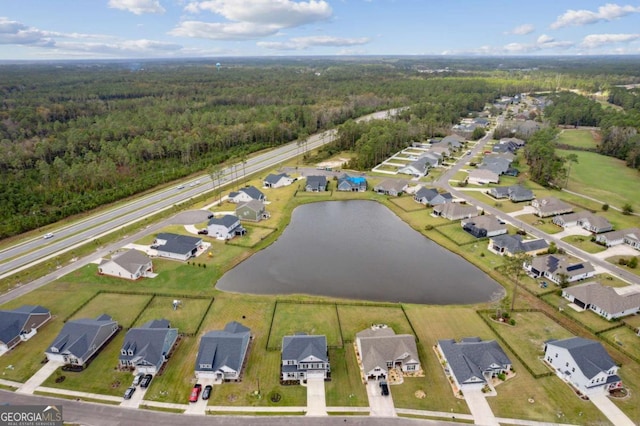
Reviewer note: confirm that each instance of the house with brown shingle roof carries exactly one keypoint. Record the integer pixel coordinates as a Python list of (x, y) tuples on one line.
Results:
[(455, 211), (482, 177), (550, 206), (381, 349), (586, 220), (559, 268), (608, 302), (629, 236)]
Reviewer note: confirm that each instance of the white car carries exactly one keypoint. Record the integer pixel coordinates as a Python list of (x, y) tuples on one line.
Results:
[(48, 235), (180, 187)]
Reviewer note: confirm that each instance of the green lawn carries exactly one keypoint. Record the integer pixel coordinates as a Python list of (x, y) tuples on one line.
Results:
[(407, 203), (577, 137), (186, 318), (589, 319), (584, 243), (291, 318), (111, 304), (626, 339), (345, 388), (354, 319), (503, 204), (455, 232), (544, 224), (616, 259)]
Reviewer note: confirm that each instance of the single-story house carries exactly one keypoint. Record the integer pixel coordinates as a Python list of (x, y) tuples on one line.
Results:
[(497, 164), (629, 236), (392, 187), (225, 227), (277, 181), (245, 194), (454, 141), (222, 353), (484, 226), (482, 177), (559, 268), (510, 245), (316, 184), (515, 193), (147, 348), (586, 220), (431, 197), (471, 363), (608, 302), (131, 265), (352, 183), (381, 349), (583, 363), (81, 339), (174, 246), (417, 168), (455, 211), (550, 206), (253, 211), (20, 325), (304, 356)]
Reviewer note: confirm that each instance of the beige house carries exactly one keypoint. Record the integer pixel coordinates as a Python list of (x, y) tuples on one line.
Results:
[(455, 211), (550, 206), (381, 349), (130, 265)]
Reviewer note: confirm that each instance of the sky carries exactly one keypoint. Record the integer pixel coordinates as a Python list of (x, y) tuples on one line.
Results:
[(110, 29)]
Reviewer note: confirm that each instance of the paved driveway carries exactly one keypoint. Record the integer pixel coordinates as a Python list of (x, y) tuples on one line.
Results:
[(480, 409), (37, 379), (381, 406), (136, 399), (609, 409), (316, 402)]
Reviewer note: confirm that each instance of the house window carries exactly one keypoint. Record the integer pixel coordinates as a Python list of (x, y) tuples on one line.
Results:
[(573, 370), (556, 355), (566, 364), (411, 367)]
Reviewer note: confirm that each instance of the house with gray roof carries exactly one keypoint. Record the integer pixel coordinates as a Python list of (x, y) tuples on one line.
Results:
[(222, 353), (629, 236), (417, 168), (252, 211), (515, 193), (225, 227), (484, 226), (304, 356), (510, 245), (380, 350), (584, 219), (147, 348), (352, 183), (175, 246), (431, 197), (393, 187), (316, 184), (21, 324), (246, 194), (277, 180), (550, 206), (81, 339), (608, 302), (584, 364), (454, 141), (472, 363), (455, 211), (498, 165), (130, 265), (482, 177), (559, 268)]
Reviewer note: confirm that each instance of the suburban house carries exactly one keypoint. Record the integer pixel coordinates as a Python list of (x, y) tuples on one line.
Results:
[(471, 363), (392, 187), (515, 193), (559, 268), (431, 197), (304, 356), (454, 141), (352, 183), (131, 265), (510, 245), (629, 236), (316, 184), (417, 168), (608, 302), (20, 325), (81, 339), (455, 211), (484, 226), (511, 144), (583, 363), (586, 220), (245, 194), (482, 177), (222, 353), (381, 349), (174, 246), (253, 211), (225, 227), (496, 163), (277, 181), (550, 206), (147, 348)]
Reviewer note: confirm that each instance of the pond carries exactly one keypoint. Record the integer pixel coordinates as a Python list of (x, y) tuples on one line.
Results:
[(359, 250)]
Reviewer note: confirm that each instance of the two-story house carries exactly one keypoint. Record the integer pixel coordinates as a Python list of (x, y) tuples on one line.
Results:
[(304, 356)]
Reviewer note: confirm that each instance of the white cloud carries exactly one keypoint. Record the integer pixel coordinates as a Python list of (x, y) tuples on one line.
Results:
[(223, 31), (14, 32), (597, 40), (522, 30), (137, 6), (608, 12), (300, 43)]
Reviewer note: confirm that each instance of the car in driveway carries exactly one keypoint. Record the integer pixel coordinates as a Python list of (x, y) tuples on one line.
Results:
[(384, 388), (137, 379), (48, 235), (203, 232), (129, 392), (206, 393), (146, 380), (195, 393)]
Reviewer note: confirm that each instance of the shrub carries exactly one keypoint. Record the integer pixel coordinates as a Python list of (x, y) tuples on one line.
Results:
[(622, 261), (428, 227), (502, 376), (512, 321), (605, 207), (632, 263), (627, 209)]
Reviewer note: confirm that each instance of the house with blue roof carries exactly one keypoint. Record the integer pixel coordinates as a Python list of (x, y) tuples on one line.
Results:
[(20, 324), (147, 348), (352, 183), (304, 356), (316, 184), (175, 246), (222, 353)]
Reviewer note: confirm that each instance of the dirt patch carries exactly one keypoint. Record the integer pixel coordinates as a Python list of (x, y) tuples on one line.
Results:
[(232, 397), (420, 394)]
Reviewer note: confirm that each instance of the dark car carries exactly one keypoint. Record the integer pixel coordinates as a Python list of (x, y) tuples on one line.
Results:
[(210, 216), (203, 232), (129, 392), (146, 380), (384, 388), (206, 393), (195, 392)]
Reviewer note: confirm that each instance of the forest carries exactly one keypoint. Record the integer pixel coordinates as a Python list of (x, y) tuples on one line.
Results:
[(76, 135)]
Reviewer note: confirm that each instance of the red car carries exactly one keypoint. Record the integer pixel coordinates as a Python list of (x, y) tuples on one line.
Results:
[(195, 393)]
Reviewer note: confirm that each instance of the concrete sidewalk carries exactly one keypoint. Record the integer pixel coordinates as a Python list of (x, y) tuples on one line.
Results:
[(37, 379)]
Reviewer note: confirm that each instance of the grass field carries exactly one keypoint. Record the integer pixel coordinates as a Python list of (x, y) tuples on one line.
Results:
[(584, 243), (587, 318), (503, 204), (616, 259), (354, 319), (345, 388), (455, 232), (407, 203), (291, 318), (577, 137), (544, 224), (186, 318), (625, 338), (111, 304)]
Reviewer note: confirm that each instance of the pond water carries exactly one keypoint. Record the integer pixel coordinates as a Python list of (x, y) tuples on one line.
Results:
[(359, 250)]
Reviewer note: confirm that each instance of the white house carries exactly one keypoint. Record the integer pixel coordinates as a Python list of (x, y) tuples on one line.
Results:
[(277, 181), (304, 356), (246, 194), (482, 177), (175, 246), (559, 268), (131, 265), (583, 363), (222, 353), (608, 302), (225, 227)]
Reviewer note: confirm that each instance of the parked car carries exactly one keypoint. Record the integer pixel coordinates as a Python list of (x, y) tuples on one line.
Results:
[(195, 392), (48, 235), (206, 393), (146, 380), (210, 216), (203, 232), (137, 379), (384, 388), (129, 392)]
